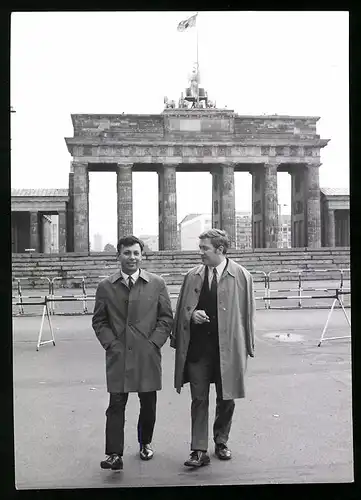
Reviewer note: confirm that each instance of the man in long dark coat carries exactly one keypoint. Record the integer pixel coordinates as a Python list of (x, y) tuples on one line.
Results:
[(132, 320), (213, 335)]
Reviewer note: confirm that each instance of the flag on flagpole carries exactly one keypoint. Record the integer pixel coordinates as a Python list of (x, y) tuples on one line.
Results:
[(187, 23)]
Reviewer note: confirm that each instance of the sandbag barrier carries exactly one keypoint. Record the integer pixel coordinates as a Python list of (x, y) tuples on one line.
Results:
[(265, 293)]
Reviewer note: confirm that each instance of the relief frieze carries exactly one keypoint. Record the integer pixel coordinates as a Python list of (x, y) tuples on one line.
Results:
[(195, 151)]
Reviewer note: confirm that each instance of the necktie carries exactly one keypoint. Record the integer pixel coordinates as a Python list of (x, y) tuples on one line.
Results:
[(130, 282), (214, 283)]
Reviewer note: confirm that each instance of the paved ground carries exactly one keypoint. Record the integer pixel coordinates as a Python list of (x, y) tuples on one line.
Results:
[(294, 425)]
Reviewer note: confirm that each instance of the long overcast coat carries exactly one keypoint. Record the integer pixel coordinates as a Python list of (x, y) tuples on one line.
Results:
[(128, 331), (236, 307)]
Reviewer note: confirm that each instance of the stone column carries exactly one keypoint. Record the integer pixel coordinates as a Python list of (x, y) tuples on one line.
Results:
[(70, 213), (257, 206), (313, 206), (62, 231), (270, 213), (331, 229), (34, 231), (81, 207), (125, 200), (228, 211), (167, 192), (216, 196)]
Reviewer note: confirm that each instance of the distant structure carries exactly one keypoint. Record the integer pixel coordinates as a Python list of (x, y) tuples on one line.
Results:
[(284, 233), (194, 224), (151, 240), (98, 242), (191, 227), (243, 231)]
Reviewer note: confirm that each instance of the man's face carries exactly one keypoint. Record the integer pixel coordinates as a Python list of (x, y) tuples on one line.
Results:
[(130, 258), (210, 256)]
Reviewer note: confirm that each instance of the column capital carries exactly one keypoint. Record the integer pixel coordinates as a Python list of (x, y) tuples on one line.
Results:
[(271, 163), (310, 164), (163, 166), (125, 165), (77, 163), (227, 164)]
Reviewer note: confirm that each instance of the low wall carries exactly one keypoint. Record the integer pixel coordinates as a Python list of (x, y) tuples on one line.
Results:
[(34, 269)]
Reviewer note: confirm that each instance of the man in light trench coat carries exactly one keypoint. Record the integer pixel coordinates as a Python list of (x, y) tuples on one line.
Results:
[(132, 319), (213, 335)]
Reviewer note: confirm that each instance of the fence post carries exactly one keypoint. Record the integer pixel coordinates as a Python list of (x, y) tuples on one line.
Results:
[(300, 289), (85, 304)]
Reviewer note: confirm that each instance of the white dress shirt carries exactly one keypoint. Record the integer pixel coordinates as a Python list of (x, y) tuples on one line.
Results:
[(134, 277), (220, 269)]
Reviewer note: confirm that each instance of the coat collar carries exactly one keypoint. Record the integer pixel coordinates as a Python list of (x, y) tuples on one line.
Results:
[(230, 269), (142, 274)]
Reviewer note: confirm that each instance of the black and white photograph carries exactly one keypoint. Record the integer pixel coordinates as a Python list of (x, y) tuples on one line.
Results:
[(180, 238)]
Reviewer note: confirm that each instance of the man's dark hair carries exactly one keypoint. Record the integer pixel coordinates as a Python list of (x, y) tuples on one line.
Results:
[(217, 238), (128, 241)]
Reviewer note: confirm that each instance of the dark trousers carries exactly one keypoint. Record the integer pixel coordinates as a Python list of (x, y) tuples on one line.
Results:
[(115, 419), (200, 374)]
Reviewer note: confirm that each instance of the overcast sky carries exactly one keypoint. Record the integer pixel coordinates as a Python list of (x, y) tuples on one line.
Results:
[(114, 62)]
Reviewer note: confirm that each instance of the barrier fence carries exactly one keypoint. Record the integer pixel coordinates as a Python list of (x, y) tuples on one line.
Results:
[(266, 293), (51, 299), (48, 300)]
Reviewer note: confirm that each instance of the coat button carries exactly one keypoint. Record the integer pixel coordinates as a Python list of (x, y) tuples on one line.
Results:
[(126, 301), (129, 324), (129, 348), (188, 308)]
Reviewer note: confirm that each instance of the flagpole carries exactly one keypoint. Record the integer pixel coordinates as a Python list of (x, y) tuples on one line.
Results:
[(197, 60), (197, 41)]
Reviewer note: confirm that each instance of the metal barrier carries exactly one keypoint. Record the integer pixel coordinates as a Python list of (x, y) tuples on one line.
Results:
[(52, 299), (298, 289), (301, 288), (266, 287), (339, 294), (267, 290), (20, 297), (43, 303), (82, 297)]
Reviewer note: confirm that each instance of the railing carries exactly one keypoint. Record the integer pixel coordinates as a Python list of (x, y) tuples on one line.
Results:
[(20, 297), (266, 292), (46, 300), (83, 297), (300, 288)]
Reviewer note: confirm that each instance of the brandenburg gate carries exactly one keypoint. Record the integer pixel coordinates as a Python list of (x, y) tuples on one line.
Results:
[(204, 139)]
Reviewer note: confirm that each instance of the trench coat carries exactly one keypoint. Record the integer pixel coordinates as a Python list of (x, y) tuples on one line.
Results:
[(236, 308), (132, 326)]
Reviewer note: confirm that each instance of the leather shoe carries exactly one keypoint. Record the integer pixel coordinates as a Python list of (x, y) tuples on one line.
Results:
[(146, 452), (113, 462), (197, 458), (223, 452)]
